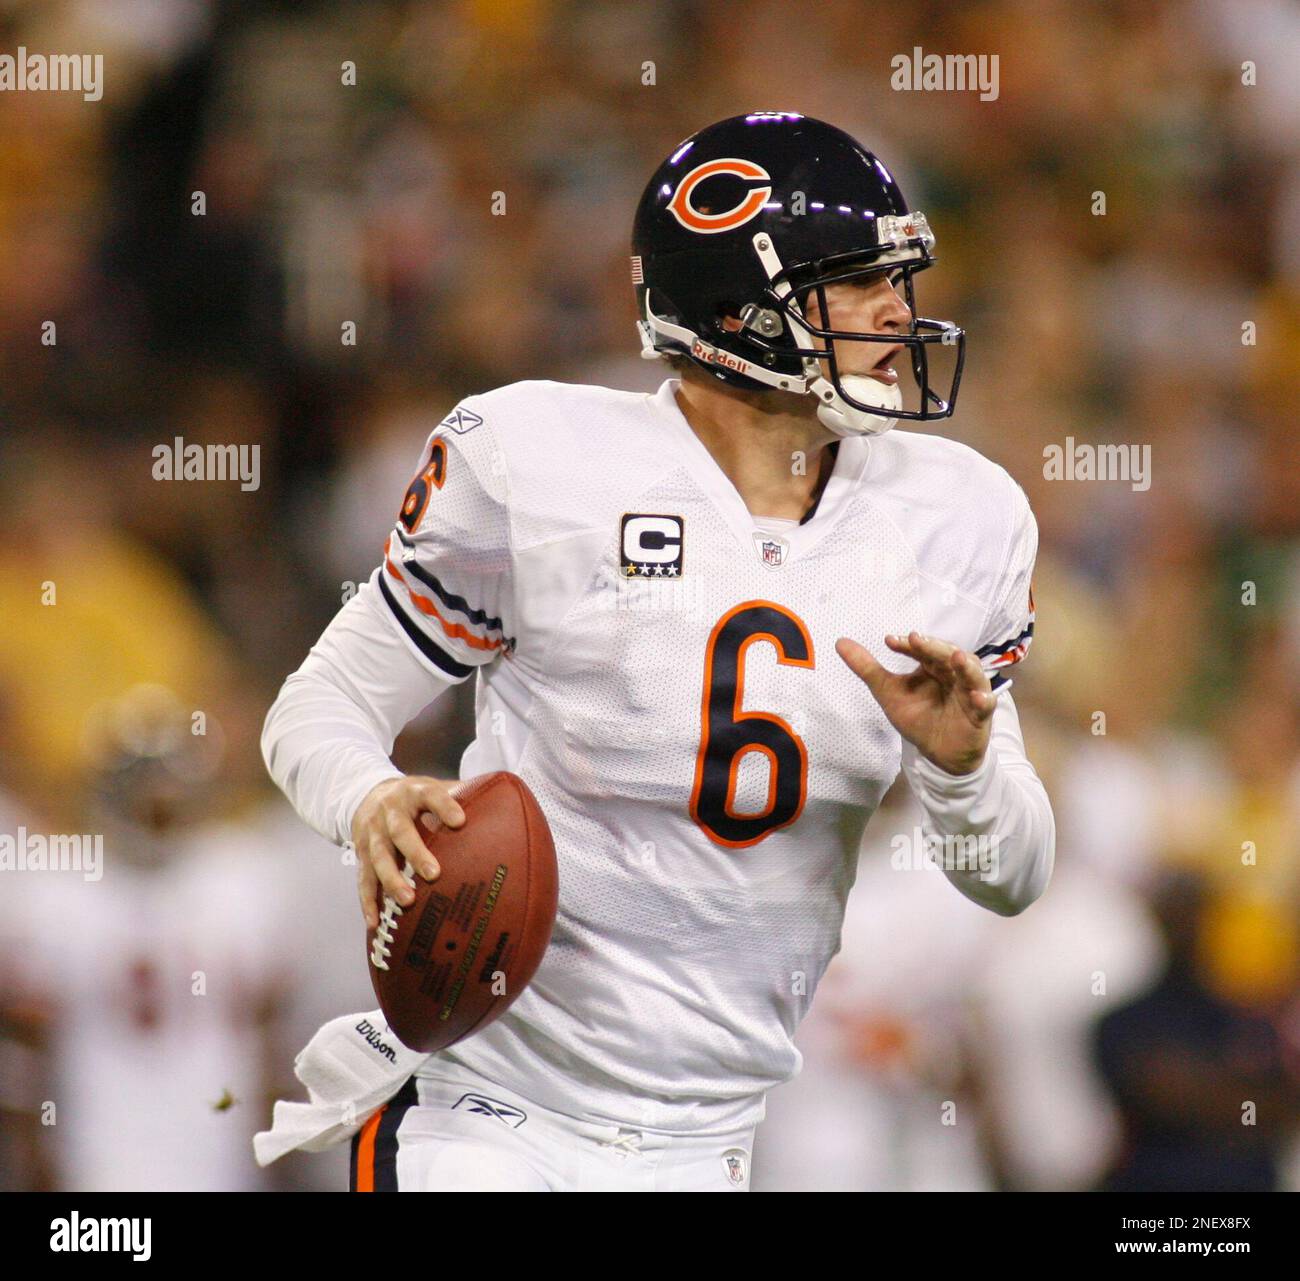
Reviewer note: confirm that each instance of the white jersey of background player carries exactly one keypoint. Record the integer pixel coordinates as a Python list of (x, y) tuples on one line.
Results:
[(707, 627)]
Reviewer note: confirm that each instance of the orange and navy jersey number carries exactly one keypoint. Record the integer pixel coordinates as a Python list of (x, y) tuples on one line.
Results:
[(374, 1146), (432, 476), (729, 734)]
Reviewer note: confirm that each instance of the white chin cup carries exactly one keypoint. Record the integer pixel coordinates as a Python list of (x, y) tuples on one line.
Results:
[(843, 419)]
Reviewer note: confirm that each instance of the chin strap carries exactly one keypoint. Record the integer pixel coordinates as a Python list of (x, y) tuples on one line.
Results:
[(844, 419)]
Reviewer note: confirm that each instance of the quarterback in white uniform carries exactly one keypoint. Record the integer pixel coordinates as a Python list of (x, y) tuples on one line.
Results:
[(708, 627)]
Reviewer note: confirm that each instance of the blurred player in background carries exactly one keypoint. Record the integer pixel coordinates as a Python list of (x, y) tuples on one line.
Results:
[(1205, 1064), (162, 980)]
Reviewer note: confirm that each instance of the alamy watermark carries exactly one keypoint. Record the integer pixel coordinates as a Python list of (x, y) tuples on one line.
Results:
[(25, 72), (1076, 460), (953, 72), (92, 1235), (179, 461), (915, 850), (24, 851)]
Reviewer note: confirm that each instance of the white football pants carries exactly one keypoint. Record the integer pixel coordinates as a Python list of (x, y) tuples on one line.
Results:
[(447, 1135)]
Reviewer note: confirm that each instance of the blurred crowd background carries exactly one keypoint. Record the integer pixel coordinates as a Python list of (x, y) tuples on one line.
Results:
[(1119, 1034)]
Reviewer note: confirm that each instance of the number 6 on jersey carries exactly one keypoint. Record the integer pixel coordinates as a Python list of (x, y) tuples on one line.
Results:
[(729, 733)]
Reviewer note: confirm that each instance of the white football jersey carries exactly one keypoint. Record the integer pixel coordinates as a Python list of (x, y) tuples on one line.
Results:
[(659, 666)]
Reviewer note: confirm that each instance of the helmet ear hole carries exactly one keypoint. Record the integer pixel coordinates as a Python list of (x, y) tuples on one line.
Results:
[(727, 317)]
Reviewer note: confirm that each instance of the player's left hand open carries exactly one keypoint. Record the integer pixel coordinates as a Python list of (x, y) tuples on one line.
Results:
[(944, 708)]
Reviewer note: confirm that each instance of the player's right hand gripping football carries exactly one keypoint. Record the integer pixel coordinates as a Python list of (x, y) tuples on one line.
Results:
[(384, 826)]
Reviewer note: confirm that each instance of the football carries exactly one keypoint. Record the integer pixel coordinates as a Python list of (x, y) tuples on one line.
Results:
[(457, 957)]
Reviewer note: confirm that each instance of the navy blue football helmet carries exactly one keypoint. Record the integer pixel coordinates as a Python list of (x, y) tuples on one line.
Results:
[(749, 218)]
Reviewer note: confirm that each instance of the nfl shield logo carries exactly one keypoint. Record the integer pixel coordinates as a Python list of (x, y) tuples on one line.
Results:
[(771, 550), (734, 1161)]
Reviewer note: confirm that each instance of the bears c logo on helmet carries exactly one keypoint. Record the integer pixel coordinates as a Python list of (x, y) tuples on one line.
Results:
[(706, 224)]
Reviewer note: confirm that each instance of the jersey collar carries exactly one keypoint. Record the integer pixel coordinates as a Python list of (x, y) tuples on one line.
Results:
[(850, 466)]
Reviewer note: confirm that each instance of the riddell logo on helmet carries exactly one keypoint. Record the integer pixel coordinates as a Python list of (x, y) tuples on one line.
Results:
[(706, 224), (716, 357)]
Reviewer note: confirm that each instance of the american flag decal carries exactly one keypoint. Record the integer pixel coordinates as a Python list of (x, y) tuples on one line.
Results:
[(638, 276)]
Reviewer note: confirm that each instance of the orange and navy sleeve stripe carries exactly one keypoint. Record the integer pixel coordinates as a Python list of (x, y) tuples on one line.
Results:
[(448, 629), (996, 659)]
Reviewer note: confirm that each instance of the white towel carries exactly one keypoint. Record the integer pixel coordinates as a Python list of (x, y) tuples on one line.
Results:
[(351, 1067)]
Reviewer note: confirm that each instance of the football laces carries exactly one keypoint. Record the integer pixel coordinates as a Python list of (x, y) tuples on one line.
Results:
[(382, 947)]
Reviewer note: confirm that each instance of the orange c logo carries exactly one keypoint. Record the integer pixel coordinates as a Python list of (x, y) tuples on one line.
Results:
[(708, 223)]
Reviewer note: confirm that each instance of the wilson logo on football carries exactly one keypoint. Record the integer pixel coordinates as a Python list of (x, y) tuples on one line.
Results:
[(682, 206)]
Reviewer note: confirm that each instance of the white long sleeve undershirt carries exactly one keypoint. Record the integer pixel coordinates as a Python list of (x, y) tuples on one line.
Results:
[(329, 733), (1003, 802)]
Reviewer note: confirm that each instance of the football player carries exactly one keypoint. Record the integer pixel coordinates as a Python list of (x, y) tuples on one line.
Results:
[(149, 1000), (708, 626)]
